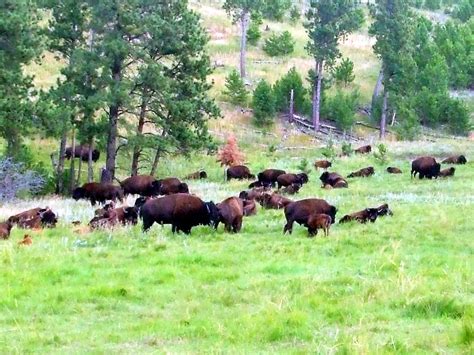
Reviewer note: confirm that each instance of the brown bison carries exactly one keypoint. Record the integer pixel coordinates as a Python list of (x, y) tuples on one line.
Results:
[(270, 176), (319, 221), (393, 170), (365, 172), (250, 207), (100, 212), (82, 151), (322, 164), (5, 229), (333, 179), (363, 150), (447, 172), (198, 175), (169, 186), (300, 211), (384, 210), (98, 192), (288, 179), (253, 193), (144, 185), (112, 217), (35, 218), (368, 214), (291, 190), (239, 172), (273, 201), (425, 167), (455, 159), (182, 211), (231, 213), (257, 184)]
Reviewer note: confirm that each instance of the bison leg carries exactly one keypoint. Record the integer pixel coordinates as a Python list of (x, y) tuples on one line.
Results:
[(147, 224), (326, 231), (237, 225), (288, 227), (421, 176), (93, 202), (312, 232)]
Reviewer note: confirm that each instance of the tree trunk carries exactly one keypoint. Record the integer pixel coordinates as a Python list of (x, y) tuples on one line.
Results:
[(13, 143), (79, 168), (292, 105), (90, 170), (60, 166), (72, 173), (377, 89), (136, 149), (383, 119), (155, 162), (317, 95), (244, 20)]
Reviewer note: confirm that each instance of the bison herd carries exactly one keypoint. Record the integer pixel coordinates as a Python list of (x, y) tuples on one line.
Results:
[(168, 200)]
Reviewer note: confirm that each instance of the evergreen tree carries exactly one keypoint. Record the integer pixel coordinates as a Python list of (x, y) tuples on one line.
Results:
[(343, 74), (279, 45), (263, 104), (236, 91), (282, 90)]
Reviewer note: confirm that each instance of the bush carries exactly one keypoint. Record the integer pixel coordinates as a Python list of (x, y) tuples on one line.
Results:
[(329, 152), (343, 74), (456, 115), (408, 126), (16, 180), (253, 32), (381, 154), (295, 14), (279, 45), (263, 104), (341, 108), (347, 149), (236, 91), (275, 9), (282, 91), (304, 166)]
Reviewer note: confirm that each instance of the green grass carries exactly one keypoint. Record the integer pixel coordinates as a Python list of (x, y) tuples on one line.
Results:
[(403, 284)]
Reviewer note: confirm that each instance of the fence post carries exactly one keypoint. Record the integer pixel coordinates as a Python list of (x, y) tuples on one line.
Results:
[(292, 103)]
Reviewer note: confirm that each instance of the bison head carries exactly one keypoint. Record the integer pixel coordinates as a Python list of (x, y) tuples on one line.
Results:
[(183, 188), (435, 169), (384, 210), (139, 202), (251, 176), (244, 195), (95, 155), (79, 193), (324, 177), (48, 218), (303, 178), (156, 187), (372, 214), (213, 214), (202, 175), (462, 159), (130, 215)]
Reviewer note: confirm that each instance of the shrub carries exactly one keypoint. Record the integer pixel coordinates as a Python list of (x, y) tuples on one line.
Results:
[(230, 153), (344, 73), (253, 33), (15, 180), (347, 148), (304, 166), (341, 108), (263, 104), (279, 45), (456, 115), (236, 91), (282, 90), (275, 9), (328, 151), (295, 14), (408, 126), (381, 154)]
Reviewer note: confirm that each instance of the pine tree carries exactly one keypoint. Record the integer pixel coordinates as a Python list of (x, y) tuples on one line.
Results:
[(282, 91), (279, 45), (263, 104), (236, 91)]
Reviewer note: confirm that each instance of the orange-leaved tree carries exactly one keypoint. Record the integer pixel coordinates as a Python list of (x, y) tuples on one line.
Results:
[(229, 154)]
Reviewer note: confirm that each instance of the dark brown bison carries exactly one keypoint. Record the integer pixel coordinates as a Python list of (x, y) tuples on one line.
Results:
[(144, 185), (384, 210), (270, 176), (169, 186), (455, 159), (253, 193), (393, 170), (112, 217), (363, 150), (82, 151), (319, 221), (322, 164), (100, 212), (231, 213), (291, 190), (365, 172), (35, 218), (300, 211), (239, 172), (182, 211), (368, 214), (273, 201), (198, 175), (250, 207), (257, 183), (288, 179), (333, 179), (98, 192), (447, 172), (425, 167), (5, 229)]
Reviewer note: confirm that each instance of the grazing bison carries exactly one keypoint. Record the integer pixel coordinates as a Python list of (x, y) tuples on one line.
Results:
[(384, 210), (288, 179), (239, 172), (35, 218), (333, 179), (322, 164), (270, 176), (169, 186), (365, 172), (253, 193), (393, 170), (300, 211), (368, 214), (5, 229), (250, 207), (198, 175), (98, 192), (82, 151), (257, 183), (143, 185), (231, 213), (455, 159), (292, 189), (273, 201), (447, 172), (425, 167), (319, 221), (182, 211), (363, 150)]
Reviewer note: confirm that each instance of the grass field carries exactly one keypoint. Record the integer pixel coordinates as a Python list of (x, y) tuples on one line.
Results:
[(401, 285)]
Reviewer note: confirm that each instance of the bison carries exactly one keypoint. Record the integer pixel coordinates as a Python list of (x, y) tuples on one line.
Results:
[(98, 192), (35, 218), (239, 172), (144, 185), (319, 221), (455, 159), (288, 179), (300, 211), (425, 167), (198, 175), (363, 150), (123, 215), (273, 201), (447, 172), (384, 210), (250, 207), (257, 183), (182, 211), (169, 186), (5, 229), (100, 212), (364, 172), (270, 176), (322, 164), (292, 189), (333, 179), (231, 213), (368, 214), (393, 170), (82, 151), (253, 193)]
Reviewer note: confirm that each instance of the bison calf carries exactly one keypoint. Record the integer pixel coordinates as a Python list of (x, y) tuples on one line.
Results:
[(447, 172), (333, 179), (363, 150), (393, 170), (292, 189), (368, 214), (300, 211), (198, 175), (319, 221), (250, 207), (455, 159), (322, 164), (365, 172), (273, 201)]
